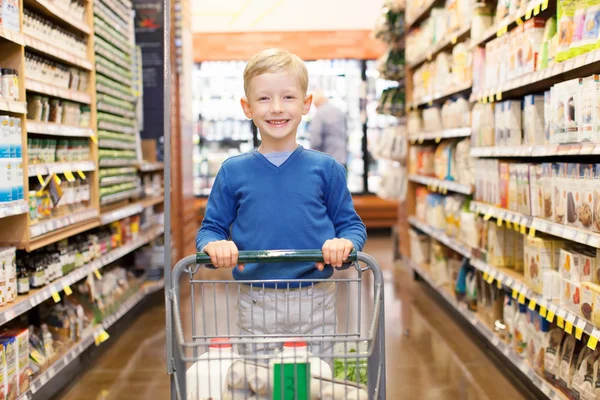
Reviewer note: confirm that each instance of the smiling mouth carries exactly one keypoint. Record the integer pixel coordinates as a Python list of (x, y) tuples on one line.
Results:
[(278, 122)]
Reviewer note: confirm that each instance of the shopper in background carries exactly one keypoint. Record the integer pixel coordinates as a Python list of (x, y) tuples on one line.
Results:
[(281, 196), (328, 129)]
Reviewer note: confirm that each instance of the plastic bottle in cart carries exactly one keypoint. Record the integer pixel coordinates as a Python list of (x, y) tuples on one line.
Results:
[(297, 353), (208, 376)]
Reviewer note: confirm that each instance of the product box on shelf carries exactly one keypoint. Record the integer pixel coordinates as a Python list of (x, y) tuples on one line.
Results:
[(553, 353), (571, 349), (519, 251), (21, 337), (499, 125), (551, 285), (503, 185), (568, 265), (570, 295), (10, 360), (571, 104), (514, 127), (572, 190), (533, 120), (513, 187), (590, 302), (525, 189), (558, 112), (510, 241), (548, 191), (539, 257), (586, 190), (548, 117), (533, 35), (559, 171), (537, 339), (596, 206), (419, 247), (536, 189), (588, 115), (497, 251)]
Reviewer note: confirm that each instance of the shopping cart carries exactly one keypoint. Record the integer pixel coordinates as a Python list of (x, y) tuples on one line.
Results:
[(354, 353)]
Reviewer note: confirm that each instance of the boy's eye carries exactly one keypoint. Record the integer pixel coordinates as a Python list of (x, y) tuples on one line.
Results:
[(263, 98)]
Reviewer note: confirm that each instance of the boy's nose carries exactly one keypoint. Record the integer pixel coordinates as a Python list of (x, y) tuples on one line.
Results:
[(276, 106)]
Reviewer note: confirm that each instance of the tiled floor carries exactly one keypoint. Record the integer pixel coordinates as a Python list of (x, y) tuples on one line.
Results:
[(436, 361)]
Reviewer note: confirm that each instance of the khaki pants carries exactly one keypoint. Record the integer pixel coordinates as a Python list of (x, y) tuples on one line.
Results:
[(294, 312)]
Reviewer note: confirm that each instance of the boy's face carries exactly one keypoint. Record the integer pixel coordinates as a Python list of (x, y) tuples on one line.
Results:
[(276, 104)]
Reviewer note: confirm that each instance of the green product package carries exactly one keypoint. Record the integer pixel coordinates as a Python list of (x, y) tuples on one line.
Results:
[(579, 18), (566, 27), (291, 381)]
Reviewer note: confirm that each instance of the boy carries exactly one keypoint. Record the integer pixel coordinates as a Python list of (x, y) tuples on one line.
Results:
[(280, 196)]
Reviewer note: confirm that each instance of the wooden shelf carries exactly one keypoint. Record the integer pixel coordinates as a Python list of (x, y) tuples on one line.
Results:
[(578, 149), (129, 210), (57, 53), (376, 212), (440, 96), (16, 107), (441, 237), (55, 91), (445, 134), (441, 185), (47, 226), (60, 168), (58, 14), (12, 36), (52, 129)]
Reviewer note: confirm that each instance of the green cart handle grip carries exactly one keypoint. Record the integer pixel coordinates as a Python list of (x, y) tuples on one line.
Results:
[(274, 256)]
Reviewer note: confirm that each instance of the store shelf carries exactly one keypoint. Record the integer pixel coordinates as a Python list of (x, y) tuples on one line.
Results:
[(577, 149), (496, 29), (445, 134), (43, 227), (109, 126), (518, 361), (110, 162), (439, 184), (578, 67), (16, 107), (115, 110), (540, 225), (57, 53), (60, 168), (450, 39), (119, 196), (88, 338), (12, 36), (59, 14), (13, 208), (115, 76), (116, 144), (35, 297), (441, 237), (118, 9), (129, 210), (421, 15), (49, 128), (151, 166), (441, 96), (55, 91), (101, 88)]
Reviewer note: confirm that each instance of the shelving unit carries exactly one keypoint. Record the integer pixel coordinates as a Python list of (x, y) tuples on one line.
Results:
[(447, 43), (441, 185), (441, 96), (445, 134), (441, 237)]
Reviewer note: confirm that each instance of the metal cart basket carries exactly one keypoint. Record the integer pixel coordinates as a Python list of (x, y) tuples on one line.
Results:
[(286, 339)]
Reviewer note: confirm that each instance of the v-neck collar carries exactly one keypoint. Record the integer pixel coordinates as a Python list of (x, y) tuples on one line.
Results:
[(261, 157)]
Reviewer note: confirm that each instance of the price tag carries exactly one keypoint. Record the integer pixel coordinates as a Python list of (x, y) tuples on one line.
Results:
[(40, 179), (69, 176), (491, 98), (508, 224), (523, 229), (516, 226), (57, 179), (485, 276), (499, 284), (519, 21), (560, 318), (532, 304), (498, 95), (593, 341), (430, 103), (536, 9), (514, 293), (508, 282), (544, 4), (499, 221), (569, 323), (543, 310), (97, 273), (528, 14), (487, 216), (67, 289), (532, 232), (454, 40), (444, 190), (438, 139), (491, 278), (421, 140), (55, 296), (522, 295), (579, 328), (94, 139), (551, 312)]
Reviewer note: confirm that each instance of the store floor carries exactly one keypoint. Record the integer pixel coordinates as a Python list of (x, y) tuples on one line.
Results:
[(436, 361)]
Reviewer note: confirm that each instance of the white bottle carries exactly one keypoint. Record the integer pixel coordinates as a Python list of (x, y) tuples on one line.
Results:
[(208, 376), (297, 353)]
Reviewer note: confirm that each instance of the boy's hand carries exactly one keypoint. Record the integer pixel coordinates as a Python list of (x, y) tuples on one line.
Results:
[(335, 252), (223, 254)]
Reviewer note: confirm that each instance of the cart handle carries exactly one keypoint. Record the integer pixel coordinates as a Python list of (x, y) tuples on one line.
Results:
[(273, 256)]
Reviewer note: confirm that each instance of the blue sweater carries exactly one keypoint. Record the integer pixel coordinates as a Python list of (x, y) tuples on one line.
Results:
[(298, 205)]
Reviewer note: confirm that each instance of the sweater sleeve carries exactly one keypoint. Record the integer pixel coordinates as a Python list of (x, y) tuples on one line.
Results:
[(219, 215), (340, 209)]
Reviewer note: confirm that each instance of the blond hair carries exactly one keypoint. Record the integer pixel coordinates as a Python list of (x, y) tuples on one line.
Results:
[(275, 60)]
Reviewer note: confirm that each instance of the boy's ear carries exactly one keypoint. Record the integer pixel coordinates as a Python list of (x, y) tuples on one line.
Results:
[(246, 107), (307, 103)]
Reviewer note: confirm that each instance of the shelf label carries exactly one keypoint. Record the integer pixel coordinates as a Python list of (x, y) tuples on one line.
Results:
[(67, 289), (454, 40), (551, 312), (543, 310), (81, 175), (528, 14), (438, 139), (508, 224), (519, 21), (491, 278), (97, 273), (499, 284), (94, 138), (485, 276), (523, 229), (579, 328), (569, 323), (536, 9), (40, 179), (560, 318), (69, 176), (532, 304), (499, 221), (55, 296), (498, 95), (522, 295), (593, 341), (487, 216), (544, 4), (532, 232)]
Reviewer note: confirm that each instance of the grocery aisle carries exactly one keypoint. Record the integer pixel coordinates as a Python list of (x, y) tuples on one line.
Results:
[(437, 361)]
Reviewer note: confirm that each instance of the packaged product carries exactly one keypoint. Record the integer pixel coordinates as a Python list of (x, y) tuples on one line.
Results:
[(419, 247), (559, 171), (10, 361), (452, 207), (512, 118), (548, 191), (570, 295), (568, 264), (572, 190), (21, 337), (502, 10), (439, 265), (553, 353), (568, 361), (551, 285), (579, 25), (504, 172), (591, 27), (468, 228), (533, 119), (566, 27), (499, 124), (434, 214), (534, 36), (559, 106), (525, 189), (572, 119), (596, 208), (586, 191), (444, 160), (509, 312), (537, 340), (538, 254), (513, 189), (590, 296), (497, 250), (588, 110), (548, 126), (3, 386), (536, 189), (521, 333), (519, 253), (583, 381), (515, 47)]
